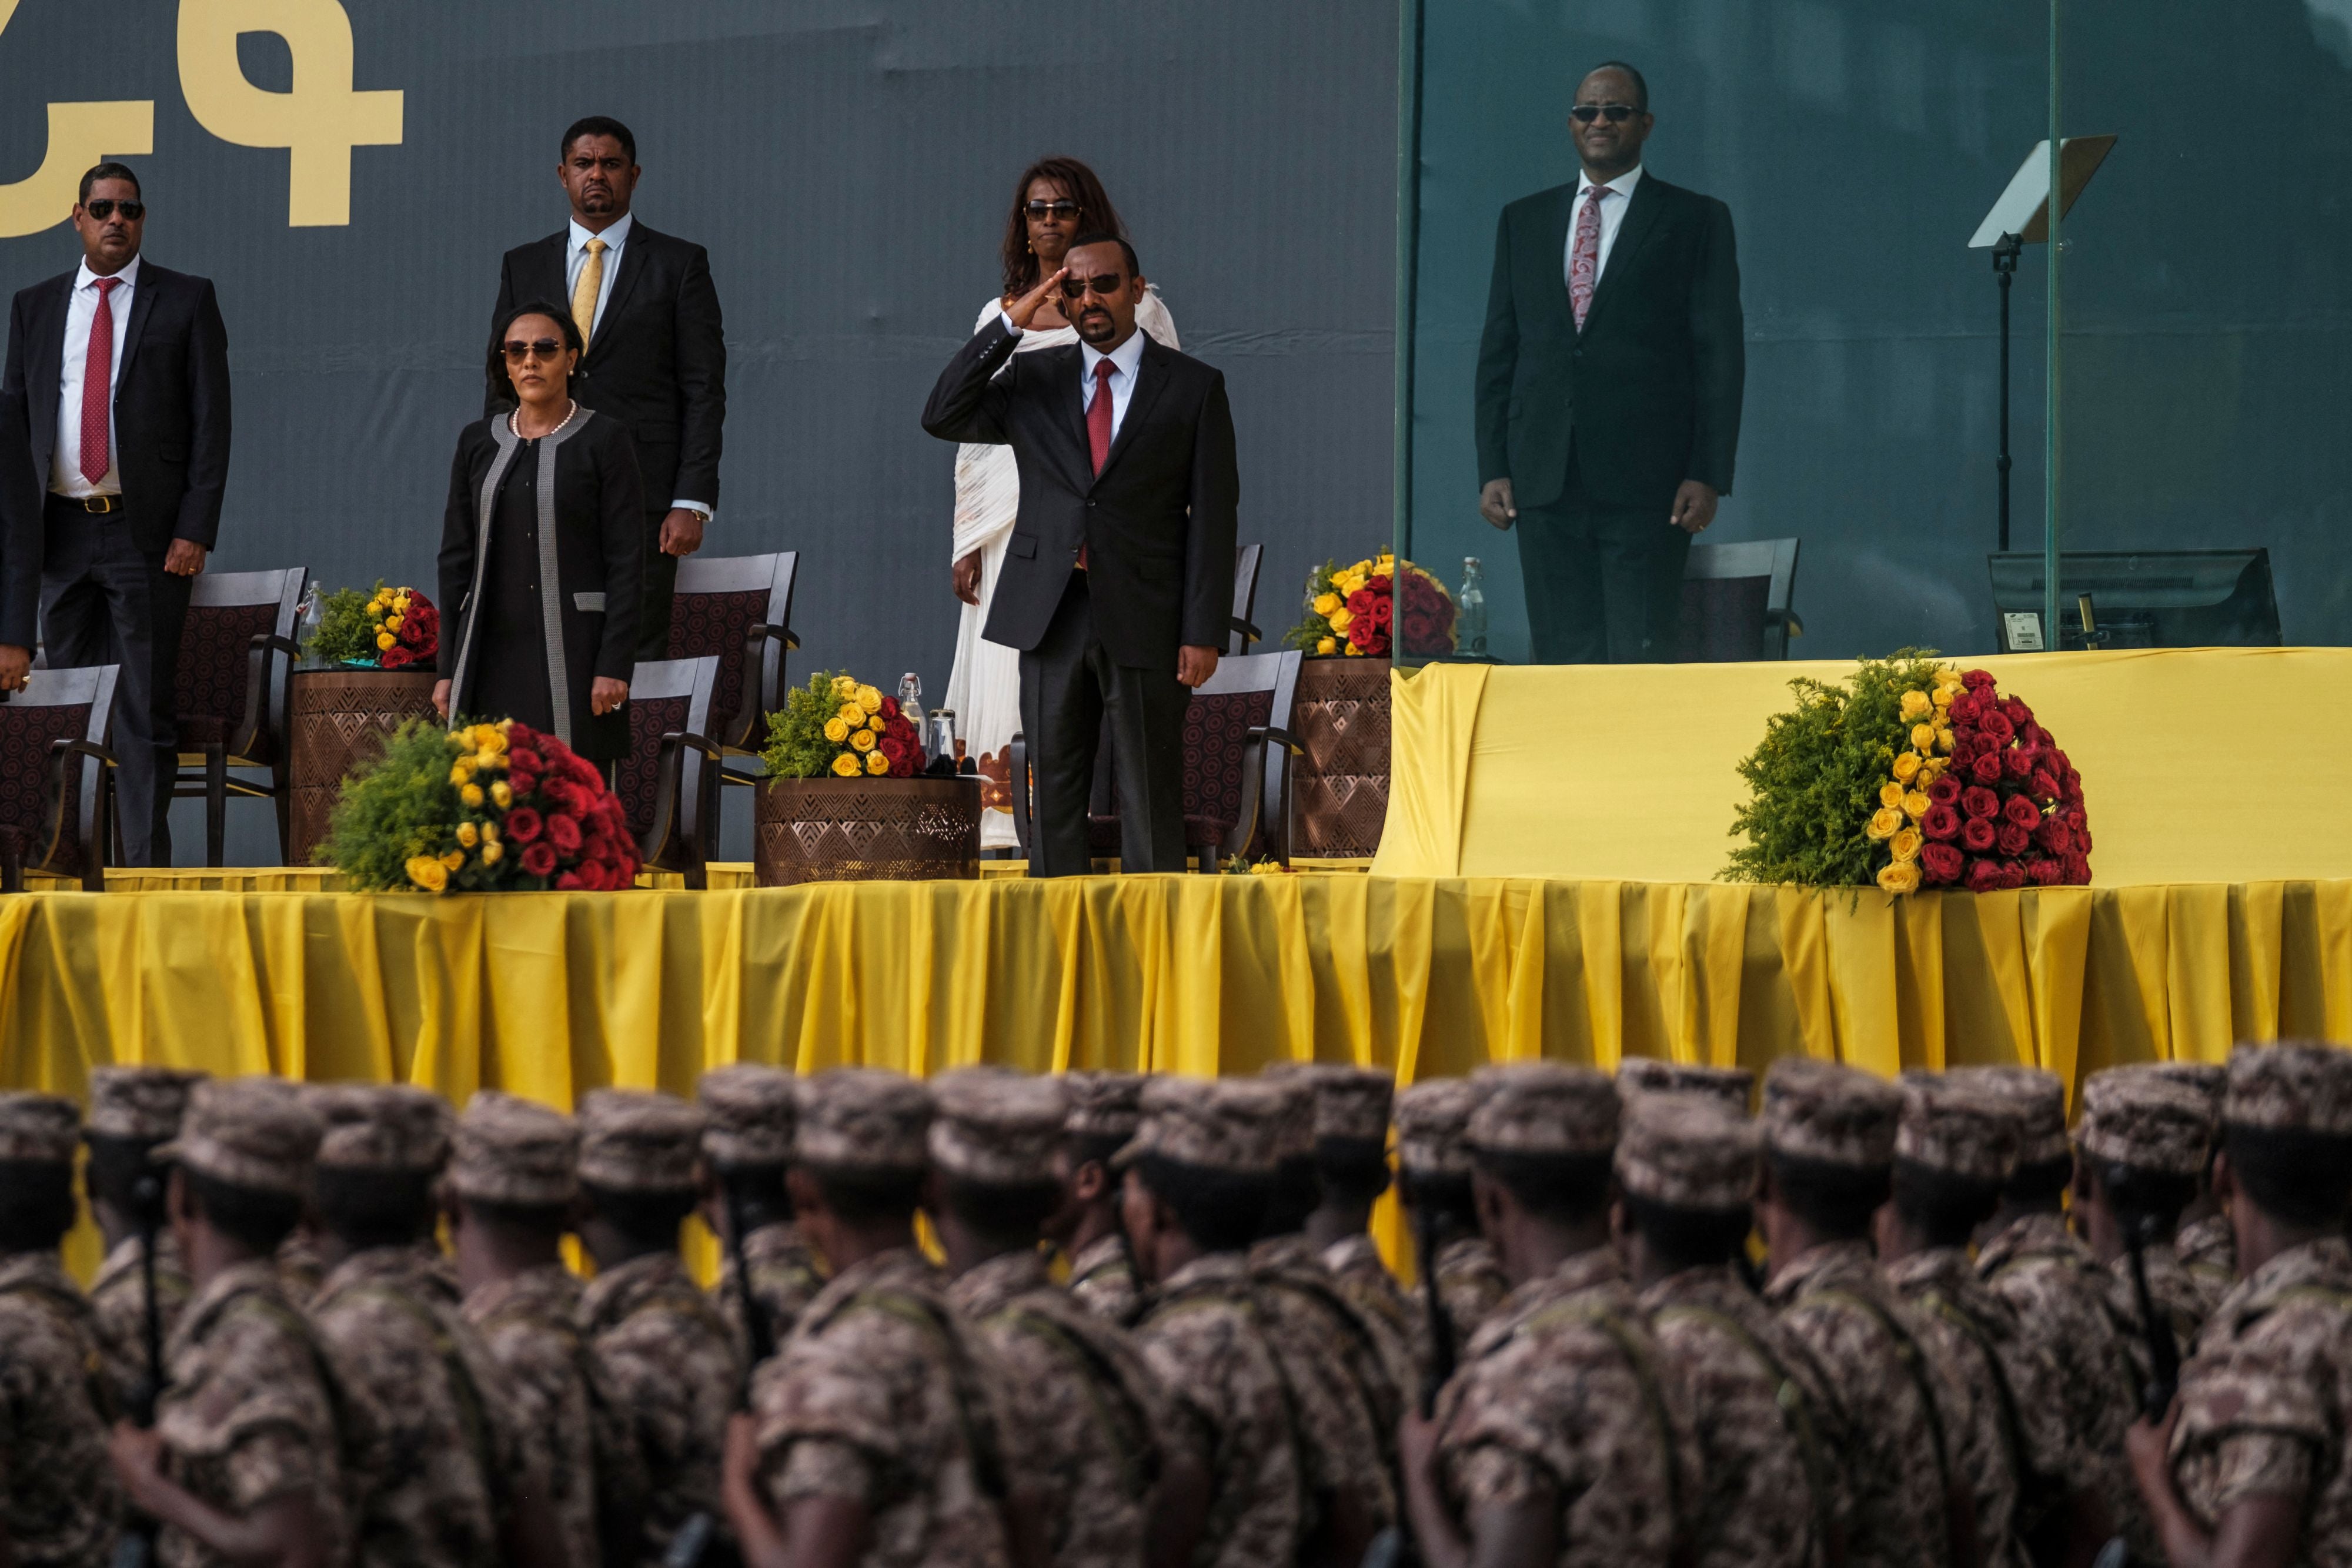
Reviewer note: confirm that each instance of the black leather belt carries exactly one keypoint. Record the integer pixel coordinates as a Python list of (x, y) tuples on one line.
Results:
[(99, 504)]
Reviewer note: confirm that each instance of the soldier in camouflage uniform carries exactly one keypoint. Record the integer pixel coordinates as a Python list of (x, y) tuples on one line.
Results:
[(459, 1490), (669, 1354), (2032, 1488), (132, 1109), (2206, 1246), (2140, 1153), (1733, 1087), (1198, 1174), (2253, 1466), (1105, 1108), (1433, 1183), (1563, 1440), (2049, 1278), (1766, 1491), (259, 1447), (745, 1150), (1087, 1412), (883, 1421), (59, 1503), (1829, 1141), (507, 1199), (1351, 1159)]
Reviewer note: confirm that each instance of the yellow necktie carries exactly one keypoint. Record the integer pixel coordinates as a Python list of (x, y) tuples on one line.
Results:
[(583, 293)]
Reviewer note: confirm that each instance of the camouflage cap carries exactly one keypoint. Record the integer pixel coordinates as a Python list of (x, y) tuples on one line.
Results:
[(639, 1140), (993, 1125), (143, 1104), (380, 1126), (1687, 1151), (1294, 1131), (863, 1118), (1432, 1121), (1734, 1086), (750, 1107), (1104, 1104), (2210, 1079), (1951, 1126), (252, 1133), (2144, 1116), (2294, 1086), (40, 1128), (1816, 1110), (1545, 1108), (1352, 1102), (514, 1151), (1218, 1124), (2037, 1101)]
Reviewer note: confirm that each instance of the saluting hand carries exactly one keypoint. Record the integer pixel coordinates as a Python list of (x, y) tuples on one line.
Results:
[(1025, 310)]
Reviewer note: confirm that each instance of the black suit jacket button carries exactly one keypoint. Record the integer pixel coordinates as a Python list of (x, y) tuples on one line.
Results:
[(1090, 505)]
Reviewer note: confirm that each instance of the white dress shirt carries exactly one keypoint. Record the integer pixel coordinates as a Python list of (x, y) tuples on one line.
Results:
[(1124, 360), (1612, 218), (81, 308), (575, 256)]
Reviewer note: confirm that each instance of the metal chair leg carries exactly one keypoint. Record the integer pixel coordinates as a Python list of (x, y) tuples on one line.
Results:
[(216, 804)]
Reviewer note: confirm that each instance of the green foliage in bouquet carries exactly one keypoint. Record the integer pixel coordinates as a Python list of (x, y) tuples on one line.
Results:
[(402, 806), (346, 630), (1816, 777), (797, 746)]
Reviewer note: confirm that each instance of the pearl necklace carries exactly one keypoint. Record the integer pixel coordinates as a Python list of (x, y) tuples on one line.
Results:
[(514, 423)]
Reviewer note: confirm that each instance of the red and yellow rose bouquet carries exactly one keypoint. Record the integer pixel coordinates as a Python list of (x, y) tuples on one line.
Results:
[(383, 629), (1363, 611), (840, 726), (2007, 809)]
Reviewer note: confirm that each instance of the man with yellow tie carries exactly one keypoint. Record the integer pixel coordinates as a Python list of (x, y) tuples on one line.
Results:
[(656, 358)]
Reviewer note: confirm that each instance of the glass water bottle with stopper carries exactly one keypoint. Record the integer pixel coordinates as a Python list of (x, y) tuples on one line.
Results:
[(1470, 612)]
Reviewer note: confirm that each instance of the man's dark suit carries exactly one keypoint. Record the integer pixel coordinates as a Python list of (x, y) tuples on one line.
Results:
[(1157, 524), (657, 362), (1596, 430), (105, 596)]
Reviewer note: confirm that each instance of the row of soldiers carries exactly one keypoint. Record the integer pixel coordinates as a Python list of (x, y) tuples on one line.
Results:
[(1941, 1362)]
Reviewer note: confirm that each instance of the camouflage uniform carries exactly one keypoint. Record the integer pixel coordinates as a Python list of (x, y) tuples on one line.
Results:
[(1733, 1087), (138, 1106), (1355, 1263), (1105, 1110), (299, 1269), (1472, 1285), (2208, 1251), (751, 1113), (1431, 1120), (1102, 1280), (59, 1503), (784, 1281), (1766, 1492)]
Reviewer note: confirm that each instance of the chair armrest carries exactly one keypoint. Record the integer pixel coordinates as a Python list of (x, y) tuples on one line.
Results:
[(1250, 633), (1282, 736), (702, 744), (759, 698), (767, 631), (93, 841), (260, 720), (664, 846), (68, 747), (1016, 781)]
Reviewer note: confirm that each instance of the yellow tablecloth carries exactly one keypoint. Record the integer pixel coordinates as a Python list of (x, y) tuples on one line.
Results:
[(2203, 765)]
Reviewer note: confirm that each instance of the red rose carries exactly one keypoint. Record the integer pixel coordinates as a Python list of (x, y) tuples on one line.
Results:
[(1986, 768), (2074, 818), (520, 782), (2013, 839), (2014, 710), (1977, 680), (2054, 836), (522, 826), (1965, 708), (2045, 787), (891, 747), (2023, 812), (1944, 791), (396, 657), (2078, 869), (597, 847), (591, 876), (2013, 877), (564, 832), (1940, 823), (903, 767), (1964, 750), (569, 882), (889, 707), (1984, 876), (2083, 841), (1979, 801), (1941, 864), (521, 758), (1995, 726), (2044, 874), (2017, 764), (1384, 611), (1978, 834), (583, 772), (1361, 602), (538, 859)]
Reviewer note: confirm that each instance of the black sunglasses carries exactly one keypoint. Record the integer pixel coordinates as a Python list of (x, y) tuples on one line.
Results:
[(1064, 210), (538, 348), (1618, 113), (103, 209), (1107, 284)]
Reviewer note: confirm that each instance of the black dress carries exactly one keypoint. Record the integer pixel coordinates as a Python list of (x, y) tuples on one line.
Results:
[(512, 683)]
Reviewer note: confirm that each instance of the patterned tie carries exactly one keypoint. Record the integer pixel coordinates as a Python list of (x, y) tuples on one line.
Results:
[(1097, 430), (98, 388), (1585, 261), (590, 284)]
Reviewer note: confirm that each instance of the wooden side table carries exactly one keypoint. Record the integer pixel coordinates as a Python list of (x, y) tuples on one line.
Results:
[(342, 718), (865, 830), (1340, 792)]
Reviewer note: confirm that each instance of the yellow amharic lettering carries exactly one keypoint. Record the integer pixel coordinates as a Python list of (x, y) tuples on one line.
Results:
[(79, 135)]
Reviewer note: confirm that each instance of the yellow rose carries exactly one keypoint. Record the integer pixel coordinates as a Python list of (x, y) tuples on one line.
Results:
[(869, 699), (461, 771), (1354, 652), (1943, 737), (861, 739), (1899, 877), (491, 829), (493, 852), (1915, 707), (1923, 738), (428, 873), (490, 741), (1942, 698), (471, 794), (1327, 645), (845, 685), (1885, 822), (876, 764), (1890, 795), (385, 640), (391, 623), (836, 729), (1948, 679), (1325, 603), (454, 859), (468, 834), (1908, 766), (1361, 570), (845, 765), (1915, 804), (1905, 844), (488, 762), (1343, 621), (877, 723)]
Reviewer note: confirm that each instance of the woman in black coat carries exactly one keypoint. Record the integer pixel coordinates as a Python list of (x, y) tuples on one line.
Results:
[(542, 552)]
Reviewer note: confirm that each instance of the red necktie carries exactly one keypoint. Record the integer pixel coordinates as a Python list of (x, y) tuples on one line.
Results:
[(1099, 430), (98, 387), (1584, 262)]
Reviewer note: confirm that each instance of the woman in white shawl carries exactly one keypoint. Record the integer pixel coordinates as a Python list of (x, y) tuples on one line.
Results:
[(1056, 200)]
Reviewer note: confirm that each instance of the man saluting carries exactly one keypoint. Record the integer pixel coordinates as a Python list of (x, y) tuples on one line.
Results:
[(1118, 580)]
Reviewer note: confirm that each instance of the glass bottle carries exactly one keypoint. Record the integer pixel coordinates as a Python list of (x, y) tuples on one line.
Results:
[(910, 702), (311, 613), (1470, 612)]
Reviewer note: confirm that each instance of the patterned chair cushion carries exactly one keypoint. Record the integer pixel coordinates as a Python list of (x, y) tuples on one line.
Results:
[(705, 624), (638, 777), (215, 654), (27, 779), (1723, 618), (1216, 737)]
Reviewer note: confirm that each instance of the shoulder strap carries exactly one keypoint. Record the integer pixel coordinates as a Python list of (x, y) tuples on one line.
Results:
[(61, 1311), (1796, 1412), (973, 1414), (473, 1410), (2030, 1503), (1127, 1425), (1915, 1366), (1645, 1374), (349, 1448)]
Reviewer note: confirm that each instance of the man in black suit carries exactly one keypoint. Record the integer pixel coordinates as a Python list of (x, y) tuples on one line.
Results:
[(116, 400), (1119, 581), (1609, 386), (656, 358)]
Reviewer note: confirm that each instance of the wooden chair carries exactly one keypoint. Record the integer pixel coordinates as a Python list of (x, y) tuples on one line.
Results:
[(1736, 602), (1238, 751), (739, 608), (668, 783), (56, 796), (1245, 567), (236, 651)]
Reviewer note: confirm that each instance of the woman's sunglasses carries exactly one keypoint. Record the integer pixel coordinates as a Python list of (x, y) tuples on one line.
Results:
[(537, 348), (1064, 211), (103, 209), (1618, 113)]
